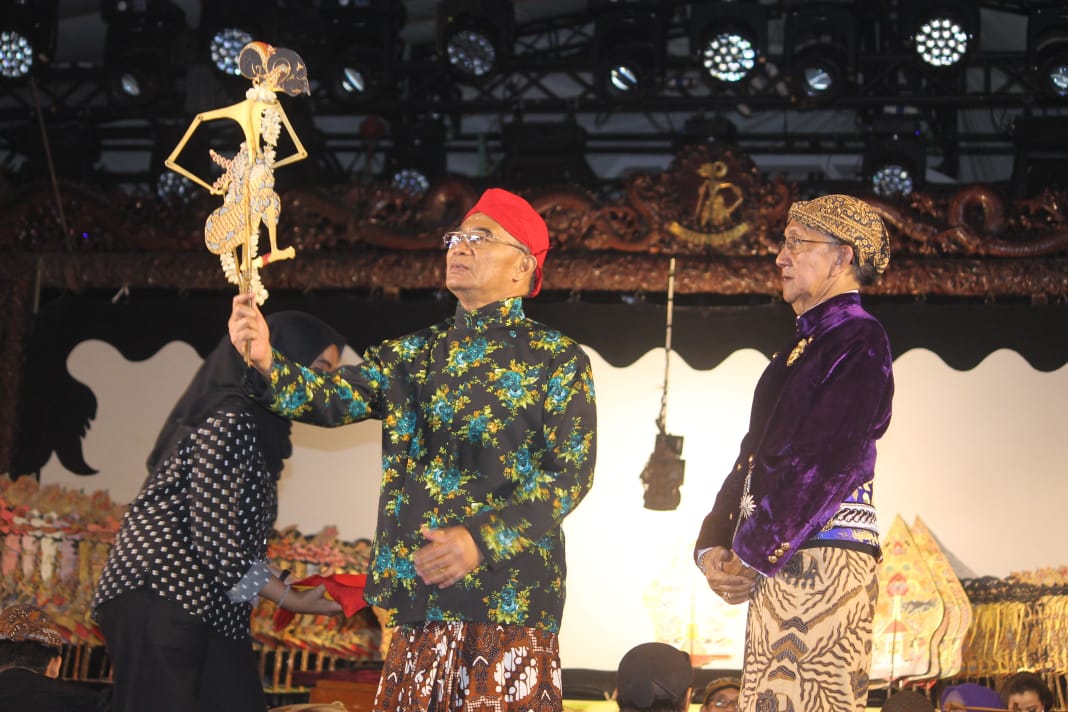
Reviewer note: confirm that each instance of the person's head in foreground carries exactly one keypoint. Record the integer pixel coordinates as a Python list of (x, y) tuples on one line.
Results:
[(832, 244), (1027, 692), (498, 251), (721, 694), (29, 640), (654, 677)]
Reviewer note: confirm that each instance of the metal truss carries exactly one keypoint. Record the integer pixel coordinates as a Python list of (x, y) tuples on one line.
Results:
[(551, 75)]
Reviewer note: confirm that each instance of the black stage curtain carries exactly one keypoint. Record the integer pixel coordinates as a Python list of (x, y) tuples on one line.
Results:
[(55, 409)]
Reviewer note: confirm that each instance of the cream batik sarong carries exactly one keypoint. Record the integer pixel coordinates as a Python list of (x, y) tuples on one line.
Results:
[(808, 634)]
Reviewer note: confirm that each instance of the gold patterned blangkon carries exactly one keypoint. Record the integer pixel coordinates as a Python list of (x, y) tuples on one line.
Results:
[(850, 220)]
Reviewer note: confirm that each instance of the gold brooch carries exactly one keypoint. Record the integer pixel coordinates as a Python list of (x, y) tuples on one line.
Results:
[(798, 350)]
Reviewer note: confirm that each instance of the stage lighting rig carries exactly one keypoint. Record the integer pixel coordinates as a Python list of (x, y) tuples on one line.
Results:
[(729, 38), (27, 36), (226, 27), (942, 32), (895, 157), (140, 48), (1047, 48), (628, 42), (820, 50), (474, 36), (363, 48)]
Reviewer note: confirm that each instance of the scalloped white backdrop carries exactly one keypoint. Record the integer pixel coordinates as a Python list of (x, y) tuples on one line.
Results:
[(978, 455)]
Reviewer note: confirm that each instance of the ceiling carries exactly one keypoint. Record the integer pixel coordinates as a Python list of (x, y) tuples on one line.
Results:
[(966, 129)]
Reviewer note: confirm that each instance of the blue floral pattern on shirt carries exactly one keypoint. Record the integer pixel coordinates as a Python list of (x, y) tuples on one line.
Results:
[(488, 422)]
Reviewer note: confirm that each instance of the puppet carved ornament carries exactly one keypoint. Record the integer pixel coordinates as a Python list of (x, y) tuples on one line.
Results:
[(247, 184)]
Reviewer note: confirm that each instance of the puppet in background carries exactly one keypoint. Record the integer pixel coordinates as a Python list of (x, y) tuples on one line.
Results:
[(247, 185)]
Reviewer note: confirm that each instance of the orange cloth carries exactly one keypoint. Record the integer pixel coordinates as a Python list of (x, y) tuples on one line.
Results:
[(346, 589)]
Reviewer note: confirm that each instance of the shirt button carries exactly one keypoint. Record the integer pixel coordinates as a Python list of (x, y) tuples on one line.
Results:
[(773, 559)]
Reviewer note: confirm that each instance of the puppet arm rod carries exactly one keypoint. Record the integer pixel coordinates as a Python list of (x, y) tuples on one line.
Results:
[(172, 160), (301, 153)]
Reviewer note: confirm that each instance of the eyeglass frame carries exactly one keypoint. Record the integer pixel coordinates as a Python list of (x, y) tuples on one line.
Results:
[(723, 702), (479, 235), (790, 244)]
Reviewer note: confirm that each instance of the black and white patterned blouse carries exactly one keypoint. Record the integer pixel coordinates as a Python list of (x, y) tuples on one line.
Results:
[(197, 532)]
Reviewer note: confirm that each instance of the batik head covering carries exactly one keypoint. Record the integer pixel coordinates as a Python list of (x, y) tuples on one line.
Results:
[(22, 623), (220, 379), (850, 220), (522, 222)]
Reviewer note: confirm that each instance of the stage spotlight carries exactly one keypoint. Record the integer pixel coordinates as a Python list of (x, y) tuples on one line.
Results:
[(1047, 48), (475, 35), (820, 52), (226, 27), (628, 49), (363, 49), (226, 45), (16, 55), (27, 36), (942, 32), (139, 50), (895, 158), (417, 158), (729, 38)]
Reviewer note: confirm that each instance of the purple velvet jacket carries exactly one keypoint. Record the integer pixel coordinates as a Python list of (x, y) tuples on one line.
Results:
[(817, 411)]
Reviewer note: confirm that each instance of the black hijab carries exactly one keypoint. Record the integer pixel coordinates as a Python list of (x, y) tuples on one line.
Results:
[(218, 381)]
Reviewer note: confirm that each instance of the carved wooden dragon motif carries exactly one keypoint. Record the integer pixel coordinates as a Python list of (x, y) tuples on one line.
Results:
[(711, 208)]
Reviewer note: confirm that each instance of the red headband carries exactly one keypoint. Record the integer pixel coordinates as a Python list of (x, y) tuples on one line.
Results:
[(522, 222)]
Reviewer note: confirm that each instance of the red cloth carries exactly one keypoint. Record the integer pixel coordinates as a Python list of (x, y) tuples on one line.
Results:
[(346, 589), (522, 222)]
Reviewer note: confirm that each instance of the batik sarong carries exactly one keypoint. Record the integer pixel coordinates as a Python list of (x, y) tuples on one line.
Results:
[(809, 634), (450, 666)]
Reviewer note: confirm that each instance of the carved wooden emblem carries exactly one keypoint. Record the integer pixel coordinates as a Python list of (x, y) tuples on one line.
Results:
[(713, 199)]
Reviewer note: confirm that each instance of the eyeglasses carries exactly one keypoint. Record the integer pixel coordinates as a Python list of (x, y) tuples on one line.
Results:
[(475, 238), (721, 703), (793, 244)]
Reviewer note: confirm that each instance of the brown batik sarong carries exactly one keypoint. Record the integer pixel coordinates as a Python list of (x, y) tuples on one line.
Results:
[(809, 634), (448, 666)]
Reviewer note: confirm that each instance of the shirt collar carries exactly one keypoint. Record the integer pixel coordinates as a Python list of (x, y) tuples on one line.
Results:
[(825, 312), (507, 312)]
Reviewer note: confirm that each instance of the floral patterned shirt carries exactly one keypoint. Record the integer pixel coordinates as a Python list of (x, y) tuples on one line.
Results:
[(488, 422)]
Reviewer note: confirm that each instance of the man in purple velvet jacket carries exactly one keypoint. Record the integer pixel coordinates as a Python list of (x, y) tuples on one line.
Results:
[(793, 529)]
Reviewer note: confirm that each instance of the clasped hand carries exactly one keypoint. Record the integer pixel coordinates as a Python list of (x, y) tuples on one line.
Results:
[(727, 576), (450, 555)]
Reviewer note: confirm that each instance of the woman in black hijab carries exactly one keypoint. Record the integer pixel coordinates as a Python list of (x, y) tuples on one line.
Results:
[(189, 561)]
